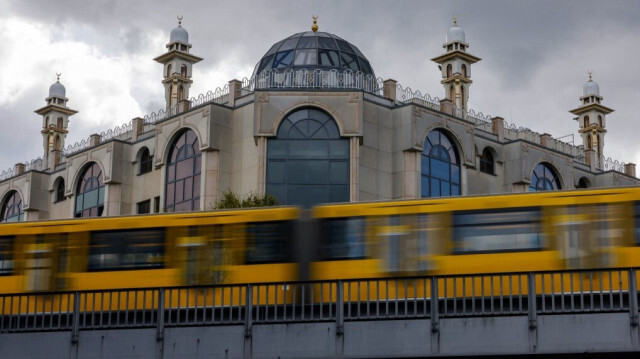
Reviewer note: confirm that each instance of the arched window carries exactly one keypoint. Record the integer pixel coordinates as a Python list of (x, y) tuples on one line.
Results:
[(46, 121), (12, 208), (462, 99), (464, 70), (90, 193), (486, 162), (600, 121), (182, 192), (449, 71), (308, 162), (169, 70), (586, 121), (183, 70), (440, 166), (584, 183), (59, 196), (145, 161), (452, 93), (60, 122), (543, 179), (589, 142)]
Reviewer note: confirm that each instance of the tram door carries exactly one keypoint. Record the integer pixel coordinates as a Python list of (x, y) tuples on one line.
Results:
[(204, 255), (46, 264), (586, 235), (407, 243)]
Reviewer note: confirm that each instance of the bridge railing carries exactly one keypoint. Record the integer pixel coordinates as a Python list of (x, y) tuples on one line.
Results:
[(420, 297)]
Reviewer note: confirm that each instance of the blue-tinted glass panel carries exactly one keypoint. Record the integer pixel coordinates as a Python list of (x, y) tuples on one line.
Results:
[(289, 44), (344, 46), (339, 193), (318, 171), (266, 63), (435, 187), (328, 58), (327, 43), (283, 59), (308, 149), (279, 191), (273, 48), (440, 169), (339, 149), (455, 174), (307, 42), (297, 172), (278, 149), (455, 190), (349, 61), (339, 172), (425, 186), (276, 172)]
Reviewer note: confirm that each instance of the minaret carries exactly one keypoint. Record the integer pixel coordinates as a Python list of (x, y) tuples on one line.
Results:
[(55, 120), (591, 118), (455, 64), (177, 63)]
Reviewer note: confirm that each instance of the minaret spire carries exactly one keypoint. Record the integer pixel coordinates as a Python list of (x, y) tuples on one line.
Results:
[(55, 121), (455, 65), (591, 116), (178, 63)]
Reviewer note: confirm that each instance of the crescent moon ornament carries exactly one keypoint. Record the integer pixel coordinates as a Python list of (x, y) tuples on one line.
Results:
[(58, 74), (180, 20)]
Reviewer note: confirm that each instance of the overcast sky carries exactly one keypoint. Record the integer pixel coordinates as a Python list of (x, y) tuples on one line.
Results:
[(535, 57)]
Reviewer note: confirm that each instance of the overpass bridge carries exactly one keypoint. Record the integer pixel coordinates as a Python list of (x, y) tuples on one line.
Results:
[(572, 313)]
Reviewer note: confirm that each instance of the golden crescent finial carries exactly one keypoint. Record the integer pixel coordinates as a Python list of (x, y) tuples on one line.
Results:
[(590, 72), (58, 75), (179, 20), (455, 21), (314, 27)]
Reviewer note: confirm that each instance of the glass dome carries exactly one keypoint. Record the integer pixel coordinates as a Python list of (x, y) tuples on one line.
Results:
[(314, 50)]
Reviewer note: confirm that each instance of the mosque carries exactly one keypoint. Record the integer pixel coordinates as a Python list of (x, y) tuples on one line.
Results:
[(312, 125)]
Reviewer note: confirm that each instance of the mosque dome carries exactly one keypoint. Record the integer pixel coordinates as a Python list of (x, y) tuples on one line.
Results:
[(314, 50), (455, 33), (179, 34), (57, 90), (591, 88)]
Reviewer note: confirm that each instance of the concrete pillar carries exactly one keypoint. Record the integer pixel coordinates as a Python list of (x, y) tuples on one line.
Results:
[(138, 125), (183, 106), (18, 169), (389, 88), (235, 89), (630, 169), (546, 140), (94, 139), (591, 159), (447, 106), (411, 174), (354, 163), (497, 127)]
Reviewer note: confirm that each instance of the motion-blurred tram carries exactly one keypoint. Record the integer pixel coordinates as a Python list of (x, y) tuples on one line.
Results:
[(479, 234)]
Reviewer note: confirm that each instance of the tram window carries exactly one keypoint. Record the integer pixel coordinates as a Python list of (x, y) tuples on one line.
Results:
[(497, 230), (126, 249), (343, 238), (6, 255), (637, 222), (268, 242)]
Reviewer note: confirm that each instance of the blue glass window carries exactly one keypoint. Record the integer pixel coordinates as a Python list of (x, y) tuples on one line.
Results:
[(308, 162), (183, 174), (543, 179), (90, 193), (440, 166), (12, 208)]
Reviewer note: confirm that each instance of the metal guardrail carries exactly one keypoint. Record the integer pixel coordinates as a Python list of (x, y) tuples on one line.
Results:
[(523, 293)]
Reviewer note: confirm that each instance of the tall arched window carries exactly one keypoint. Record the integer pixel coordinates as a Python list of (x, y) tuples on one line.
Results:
[(145, 161), (59, 123), (452, 93), (180, 93), (464, 70), (183, 70), (586, 121), (90, 193), (600, 121), (486, 162), (449, 71), (182, 192), (543, 179), (59, 191), (440, 166), (462, 99), (589, 142), (12, 208), (308, 162), (169, 70)]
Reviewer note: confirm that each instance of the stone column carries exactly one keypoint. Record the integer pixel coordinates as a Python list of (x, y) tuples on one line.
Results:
[(235, 89), (630, 169), (112, 199), (591, 159), (447, 106), (209, 179), (262, 165), (497, 127), (354, 164), (94, 140), (546, 140), (18, 169), (389, 88), (411, 174), (184, 105), (138, 126)]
